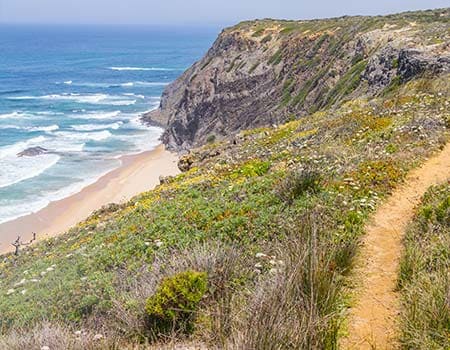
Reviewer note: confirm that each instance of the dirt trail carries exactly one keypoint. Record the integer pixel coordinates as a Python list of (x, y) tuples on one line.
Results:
[(372, 321)]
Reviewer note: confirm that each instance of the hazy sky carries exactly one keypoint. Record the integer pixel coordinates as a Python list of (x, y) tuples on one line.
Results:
[(194, 11)]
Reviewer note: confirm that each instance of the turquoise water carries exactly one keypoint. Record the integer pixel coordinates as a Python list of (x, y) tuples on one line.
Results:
[(79, 92)]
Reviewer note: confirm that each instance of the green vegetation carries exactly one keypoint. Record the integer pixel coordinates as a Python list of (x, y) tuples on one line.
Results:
[(346, 84), (175, 302), (308, 87), (319, 44), (361, 24), (393, 86), (266, 39), (424, 277), (211, 139), (288, 86), (251, 246), (395, 63), (273, 221), (231, 66), (252, 68), (276, 58), (298, 183), (287, 30), (258, 32)]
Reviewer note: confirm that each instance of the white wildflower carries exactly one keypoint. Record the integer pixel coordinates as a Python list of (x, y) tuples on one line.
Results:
[(98, 337), (10, 291), (260, 255), (20, 283)]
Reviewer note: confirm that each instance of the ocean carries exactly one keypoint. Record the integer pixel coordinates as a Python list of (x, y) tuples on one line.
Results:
[(79, 92)]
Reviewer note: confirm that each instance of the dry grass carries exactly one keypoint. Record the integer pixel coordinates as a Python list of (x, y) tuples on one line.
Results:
[(294, 307), (56, 337), (225, 265), (425, 275)]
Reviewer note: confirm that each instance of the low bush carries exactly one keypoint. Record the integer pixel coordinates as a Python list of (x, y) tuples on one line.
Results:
[(298, 183), (175, 302), (211, 138)]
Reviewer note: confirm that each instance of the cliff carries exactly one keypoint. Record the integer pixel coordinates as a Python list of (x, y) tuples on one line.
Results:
[(270, 71)]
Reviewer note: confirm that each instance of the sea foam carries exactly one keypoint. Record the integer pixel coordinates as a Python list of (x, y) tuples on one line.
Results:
[(104, 99), (97, 115), (87, 136), (17, 169), (48, 128), (92, 127)]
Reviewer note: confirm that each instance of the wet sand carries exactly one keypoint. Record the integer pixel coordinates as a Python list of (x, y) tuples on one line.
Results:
[(138, 173)]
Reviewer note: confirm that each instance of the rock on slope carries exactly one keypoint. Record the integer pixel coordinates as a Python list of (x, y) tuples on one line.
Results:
[(268, 71)]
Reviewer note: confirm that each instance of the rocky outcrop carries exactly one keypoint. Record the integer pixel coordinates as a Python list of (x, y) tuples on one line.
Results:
[(266, 72), (413, 63)]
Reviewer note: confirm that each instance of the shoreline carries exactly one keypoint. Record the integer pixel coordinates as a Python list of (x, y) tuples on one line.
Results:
[(138, 173)]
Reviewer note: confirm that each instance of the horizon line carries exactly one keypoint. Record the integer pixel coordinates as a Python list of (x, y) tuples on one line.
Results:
[(196, 23)]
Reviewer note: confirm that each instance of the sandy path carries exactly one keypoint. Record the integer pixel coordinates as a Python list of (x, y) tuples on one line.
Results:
[(138, 173), (372, 321)]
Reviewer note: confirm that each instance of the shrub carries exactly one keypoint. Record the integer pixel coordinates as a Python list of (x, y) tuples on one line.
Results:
[(379, 175), (297, 183), (211, 138), (252, 168), (175, 302)]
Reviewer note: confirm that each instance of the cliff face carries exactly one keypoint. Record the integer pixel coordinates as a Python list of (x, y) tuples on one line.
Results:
[(266, 72)]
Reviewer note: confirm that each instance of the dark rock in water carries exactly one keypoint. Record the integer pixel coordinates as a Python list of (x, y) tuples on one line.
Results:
[(32, 152)]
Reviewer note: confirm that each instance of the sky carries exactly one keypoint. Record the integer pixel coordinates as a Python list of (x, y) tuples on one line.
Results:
[(194, 12)]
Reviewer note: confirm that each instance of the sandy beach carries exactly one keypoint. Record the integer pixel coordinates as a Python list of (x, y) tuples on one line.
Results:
[(138, 173)]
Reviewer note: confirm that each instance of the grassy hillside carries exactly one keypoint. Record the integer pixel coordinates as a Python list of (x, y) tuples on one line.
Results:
[(270, 220), (425, 274)]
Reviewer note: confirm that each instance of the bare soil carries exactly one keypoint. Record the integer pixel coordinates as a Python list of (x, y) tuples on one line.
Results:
[(373, 319)]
